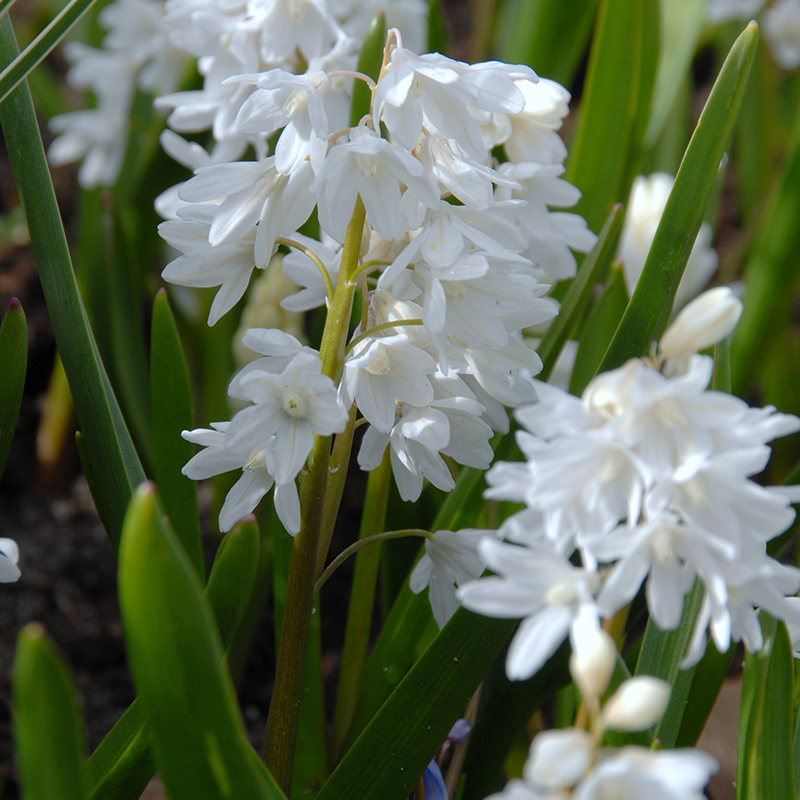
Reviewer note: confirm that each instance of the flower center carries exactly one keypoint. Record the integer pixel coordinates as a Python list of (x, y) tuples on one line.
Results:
[(294, 405), (381, 365), (560, 594)]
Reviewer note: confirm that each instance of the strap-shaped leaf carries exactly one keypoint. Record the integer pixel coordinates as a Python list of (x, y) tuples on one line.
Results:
[(393, 751), (108, 442), (548, 35), (771, 277), (764, 768), (505, 706), (121, 766), (171, 402), (175, 652), (651, 305), (661, 656), (615, 106), (599, 329), (13, 365), (47, 721), (13, 74)]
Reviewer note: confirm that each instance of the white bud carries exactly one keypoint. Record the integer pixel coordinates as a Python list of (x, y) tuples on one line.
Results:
[(637, 705), (592, 663), (705, 321), (559, 758)]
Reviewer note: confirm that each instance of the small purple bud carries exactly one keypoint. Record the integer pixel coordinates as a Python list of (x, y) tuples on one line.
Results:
[(460, 731)]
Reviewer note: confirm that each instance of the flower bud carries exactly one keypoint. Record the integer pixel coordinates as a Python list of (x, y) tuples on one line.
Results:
[(637, 705), (705, 321), (592, 663), (559, 758)]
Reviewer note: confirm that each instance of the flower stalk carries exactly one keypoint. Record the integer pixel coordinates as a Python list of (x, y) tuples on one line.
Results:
[(282, 723)]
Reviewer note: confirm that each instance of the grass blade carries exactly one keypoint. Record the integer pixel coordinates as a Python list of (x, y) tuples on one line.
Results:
[(651, 305), (47, 721), (615, 106), (16, 71), (13, 363), (108, 442), (171, 401), (175, 652)]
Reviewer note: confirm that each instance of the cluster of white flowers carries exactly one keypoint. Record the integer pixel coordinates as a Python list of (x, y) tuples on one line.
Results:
[(646, 477), (571, 763), (150, 42), (453, 264), (136, 53)]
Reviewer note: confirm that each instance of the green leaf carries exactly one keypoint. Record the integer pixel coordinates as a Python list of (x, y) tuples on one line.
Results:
[(171, 401), (764, 768), (116, 465), (615, 106), (369, 63), (548, 35), (391, 754), (13, 364), (175, 652), (709, 675), (661, 655), (13, 74), (771, 277), (681, 24), (121, 766), (573, 307), (651, 305), (599, 329), (437, 28), (505, 706), (47, 721)]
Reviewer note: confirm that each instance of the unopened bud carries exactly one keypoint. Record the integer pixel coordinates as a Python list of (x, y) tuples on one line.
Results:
[(637, 705), (559, 758), (592, 663), (705, 321)]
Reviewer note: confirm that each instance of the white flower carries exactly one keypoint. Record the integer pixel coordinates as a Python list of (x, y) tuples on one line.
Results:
[(371, 167), (9, 556), (451, 559), (554, 598), (382, 370), (782, 29), (646, 205), (559, 759), (702, 323), (637, 772), (289, 408), (637, 705), (533, 132), (228, 265)]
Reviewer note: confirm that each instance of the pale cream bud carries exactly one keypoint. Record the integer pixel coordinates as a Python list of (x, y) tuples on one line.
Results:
[(637, 705), (559, 758), (592, 663), (705, 321)]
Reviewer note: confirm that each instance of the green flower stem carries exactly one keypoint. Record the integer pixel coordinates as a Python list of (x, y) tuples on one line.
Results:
[(315, 260), (337, 476), (362, 600), (282, 724), (384, 326), (356, 546)]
